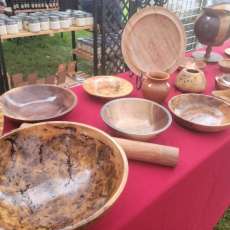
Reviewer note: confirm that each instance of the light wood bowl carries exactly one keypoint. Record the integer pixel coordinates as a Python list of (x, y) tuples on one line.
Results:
[(225, 65), (136, 118), (223, 81), (200, 112), (58, 175), (35, 103), (107, 87)]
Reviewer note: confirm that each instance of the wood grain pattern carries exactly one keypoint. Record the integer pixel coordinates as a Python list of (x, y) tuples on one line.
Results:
[(222, 94), (136, 118), (200, 112), (107, 87), (40, 102), (153, 40), (58, 175)]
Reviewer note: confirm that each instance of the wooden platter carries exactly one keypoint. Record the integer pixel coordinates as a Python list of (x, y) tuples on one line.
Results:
[(153, 40), (107, 87)]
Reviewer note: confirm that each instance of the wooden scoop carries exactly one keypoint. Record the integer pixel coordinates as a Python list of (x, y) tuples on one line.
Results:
[(148, 152)]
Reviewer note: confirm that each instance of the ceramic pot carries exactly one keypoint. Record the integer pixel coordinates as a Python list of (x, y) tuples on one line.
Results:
[(191, 80), (155, 86)]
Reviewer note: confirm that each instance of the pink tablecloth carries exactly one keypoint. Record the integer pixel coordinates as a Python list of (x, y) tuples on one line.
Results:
[(193, 196)]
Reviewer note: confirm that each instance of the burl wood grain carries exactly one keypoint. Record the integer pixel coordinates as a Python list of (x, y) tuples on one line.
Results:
[(58, 176), (201, 112)]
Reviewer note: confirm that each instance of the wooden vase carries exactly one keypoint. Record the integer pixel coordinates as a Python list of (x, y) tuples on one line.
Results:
[(155, 86)]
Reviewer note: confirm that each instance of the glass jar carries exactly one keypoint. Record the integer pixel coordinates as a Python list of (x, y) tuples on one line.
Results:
[(25, 21), (19, 20), (12, 26), (3, 28), (34, 25), (55, 23), (44, 21), (89, 19), (80, 20), (65, 21)]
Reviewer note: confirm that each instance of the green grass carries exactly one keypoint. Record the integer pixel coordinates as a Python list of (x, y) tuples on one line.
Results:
[(40, 54), (224, 223)]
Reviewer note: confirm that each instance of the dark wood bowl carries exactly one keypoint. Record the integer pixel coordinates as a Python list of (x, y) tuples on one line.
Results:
[(58, 175), (201, 112), (35, 103)]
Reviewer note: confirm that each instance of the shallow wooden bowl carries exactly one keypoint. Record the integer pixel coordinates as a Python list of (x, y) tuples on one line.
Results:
[(223, 81), (34, 103), (222, 94), (136, 118), (189, 62), (225, 65), (58, 175), (200, 112), (107, 87)]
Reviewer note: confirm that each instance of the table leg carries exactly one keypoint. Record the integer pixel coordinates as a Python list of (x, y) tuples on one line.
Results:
[(74, 44), (4, 80)]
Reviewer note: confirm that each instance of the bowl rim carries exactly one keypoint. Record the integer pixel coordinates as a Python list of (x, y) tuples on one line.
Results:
[(24, 119), (102, 113), (122, 184), (192, 122), (107, 77)]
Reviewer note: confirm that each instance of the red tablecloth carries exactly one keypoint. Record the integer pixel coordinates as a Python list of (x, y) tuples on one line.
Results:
[(192, 196)]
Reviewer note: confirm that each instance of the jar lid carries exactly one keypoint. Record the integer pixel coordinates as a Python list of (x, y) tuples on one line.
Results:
[(3, 16), (2, 23), (11, 22), (44, 18), (89, 15), (64, 17), (79, 15), (16, 18), (54, 18), (34, 20)]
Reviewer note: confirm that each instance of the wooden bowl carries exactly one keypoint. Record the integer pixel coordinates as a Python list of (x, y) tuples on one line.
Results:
[(225, 65), (34, 103), (223, 82), (136, 118), (58, 175), (200, 112), (222, 94), (189, 62), (107, 87)]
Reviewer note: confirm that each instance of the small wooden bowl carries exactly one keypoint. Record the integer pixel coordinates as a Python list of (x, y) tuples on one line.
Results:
[(200, 112), (107, 87), (223, 82), (58, 175), (225, 65), (189, 62), (135, 118), (35, 103)]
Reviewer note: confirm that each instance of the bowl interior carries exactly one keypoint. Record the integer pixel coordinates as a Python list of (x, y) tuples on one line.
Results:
[(136, 116), (201, 109), (56, 175), (37, 102), (108, 86)]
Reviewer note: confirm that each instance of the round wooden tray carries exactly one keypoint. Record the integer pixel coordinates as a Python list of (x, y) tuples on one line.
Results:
[(153, 40)]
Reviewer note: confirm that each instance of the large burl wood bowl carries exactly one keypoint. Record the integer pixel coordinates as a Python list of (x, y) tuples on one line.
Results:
[(136, 118), (35, 103), (201, 112), (58, 175)]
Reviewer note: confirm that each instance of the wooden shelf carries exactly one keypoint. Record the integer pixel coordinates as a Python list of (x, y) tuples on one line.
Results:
[(48, 32), (35, 10)]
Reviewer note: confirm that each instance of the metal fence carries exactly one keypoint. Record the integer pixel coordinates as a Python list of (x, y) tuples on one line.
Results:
[(114, 15)]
